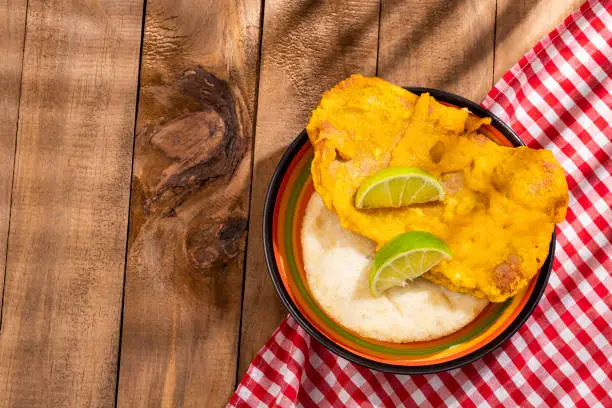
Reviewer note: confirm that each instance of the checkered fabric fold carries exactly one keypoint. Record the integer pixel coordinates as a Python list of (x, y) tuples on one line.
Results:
[(558, 96)]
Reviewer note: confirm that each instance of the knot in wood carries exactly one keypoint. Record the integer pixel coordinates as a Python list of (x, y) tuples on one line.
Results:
[(215, 245)]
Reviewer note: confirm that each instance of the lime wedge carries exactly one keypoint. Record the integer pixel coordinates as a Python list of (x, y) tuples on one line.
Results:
[(397, 187), (406, 257)]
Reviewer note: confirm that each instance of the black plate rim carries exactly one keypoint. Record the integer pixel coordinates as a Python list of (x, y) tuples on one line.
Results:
[(268, 216)]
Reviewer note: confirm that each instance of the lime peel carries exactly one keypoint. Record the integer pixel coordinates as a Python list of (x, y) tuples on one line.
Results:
[(404, 258), (395, 187)]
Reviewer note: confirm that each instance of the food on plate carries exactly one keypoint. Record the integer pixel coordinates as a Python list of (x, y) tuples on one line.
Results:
[(337, 263), (500, 204)]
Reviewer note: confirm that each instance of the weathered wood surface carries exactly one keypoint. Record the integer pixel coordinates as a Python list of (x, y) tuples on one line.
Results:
[(189, 207), (307, 47), (444, 44), (64, 273), (12, 27), (184, 338), (521, 24)]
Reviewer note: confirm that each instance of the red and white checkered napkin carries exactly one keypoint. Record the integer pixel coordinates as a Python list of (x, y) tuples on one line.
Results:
[(559, 97)]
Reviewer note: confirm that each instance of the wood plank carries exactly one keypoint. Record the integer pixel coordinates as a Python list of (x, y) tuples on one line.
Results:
[(308, 46), (445, 44), (12, 27), (522, 23), (69, 217), (189, 207)]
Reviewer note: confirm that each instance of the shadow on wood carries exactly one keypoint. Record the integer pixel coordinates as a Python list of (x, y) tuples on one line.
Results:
[(263, 310), (475, 54), (422, 43), (189, 205), (521, 23), (11, 54), (297, 64), (68, 227)]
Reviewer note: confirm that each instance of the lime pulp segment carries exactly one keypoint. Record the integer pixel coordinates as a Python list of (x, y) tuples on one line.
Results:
[(398, 187)]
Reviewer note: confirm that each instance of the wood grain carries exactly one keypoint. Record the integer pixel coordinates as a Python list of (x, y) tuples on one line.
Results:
[(445, 44), (189, 207), (308, 46), (12, 27), (66, 250), (522, 23)]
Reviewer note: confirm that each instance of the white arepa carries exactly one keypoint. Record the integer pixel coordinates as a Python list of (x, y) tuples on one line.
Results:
[(338, 262)]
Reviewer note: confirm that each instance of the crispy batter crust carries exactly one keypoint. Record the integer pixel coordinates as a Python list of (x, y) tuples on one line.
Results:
[(501, 205)]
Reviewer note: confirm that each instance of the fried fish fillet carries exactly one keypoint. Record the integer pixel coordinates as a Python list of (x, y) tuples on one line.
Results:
[(501, 203)]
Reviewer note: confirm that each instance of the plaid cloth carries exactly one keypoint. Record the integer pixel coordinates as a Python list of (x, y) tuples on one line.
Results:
[(558, 97)]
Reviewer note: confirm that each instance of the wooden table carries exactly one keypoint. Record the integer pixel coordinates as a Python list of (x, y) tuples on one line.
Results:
[(136, 144)]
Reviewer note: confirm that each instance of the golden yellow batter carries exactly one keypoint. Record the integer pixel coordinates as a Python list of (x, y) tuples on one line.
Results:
[(501, 203)]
